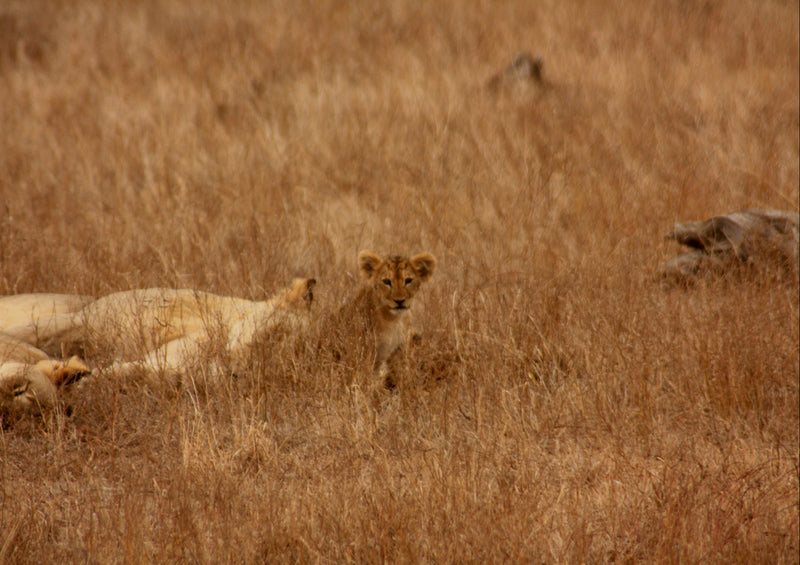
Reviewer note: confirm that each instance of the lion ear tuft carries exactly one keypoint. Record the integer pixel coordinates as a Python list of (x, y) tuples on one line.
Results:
[(301, 290), (302, 285), (368, 263), (424, 264), (309, 294)]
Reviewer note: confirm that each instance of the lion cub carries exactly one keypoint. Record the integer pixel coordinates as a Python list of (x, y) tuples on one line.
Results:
[(380, 314)]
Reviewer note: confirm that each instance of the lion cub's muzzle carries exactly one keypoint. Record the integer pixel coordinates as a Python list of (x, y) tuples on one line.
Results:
[(398, 307)]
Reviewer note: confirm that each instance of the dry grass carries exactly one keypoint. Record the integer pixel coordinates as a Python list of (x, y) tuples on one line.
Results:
[(563, 407)]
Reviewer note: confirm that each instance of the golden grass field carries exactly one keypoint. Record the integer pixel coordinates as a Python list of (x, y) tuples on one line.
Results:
[(563, 406)]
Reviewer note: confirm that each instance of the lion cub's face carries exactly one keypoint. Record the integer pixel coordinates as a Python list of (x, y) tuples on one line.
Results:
[(395, 280)]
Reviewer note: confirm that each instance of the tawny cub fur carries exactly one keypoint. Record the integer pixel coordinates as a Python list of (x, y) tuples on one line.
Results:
[(380, 313)]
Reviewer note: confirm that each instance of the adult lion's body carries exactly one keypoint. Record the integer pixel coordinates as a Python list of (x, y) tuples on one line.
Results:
[(380, 313), (21, 309), (159, 331)]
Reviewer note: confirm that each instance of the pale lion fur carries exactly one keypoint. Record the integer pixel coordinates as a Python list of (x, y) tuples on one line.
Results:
[(29, 379), (161, 331), (21, 310)]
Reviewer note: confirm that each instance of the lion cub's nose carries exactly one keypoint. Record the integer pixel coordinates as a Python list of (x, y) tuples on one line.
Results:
[(399, 302)]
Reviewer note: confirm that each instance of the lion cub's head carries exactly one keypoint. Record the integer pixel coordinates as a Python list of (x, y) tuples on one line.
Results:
[(394, 280)]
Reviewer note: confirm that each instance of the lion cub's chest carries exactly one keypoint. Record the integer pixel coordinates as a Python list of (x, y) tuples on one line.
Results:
[(391, 333), (381, 330)]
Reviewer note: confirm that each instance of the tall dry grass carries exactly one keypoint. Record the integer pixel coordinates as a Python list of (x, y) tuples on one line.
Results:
[(562, 407)]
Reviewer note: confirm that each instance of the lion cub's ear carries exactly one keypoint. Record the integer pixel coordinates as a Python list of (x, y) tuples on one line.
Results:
[(424, 264), (368, 263)]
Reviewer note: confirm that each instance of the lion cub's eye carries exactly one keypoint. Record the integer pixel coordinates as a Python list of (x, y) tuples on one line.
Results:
[(387, 282), (409, 281)]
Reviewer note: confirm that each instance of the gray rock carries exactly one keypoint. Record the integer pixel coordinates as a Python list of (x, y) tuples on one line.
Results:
[(764, 239)]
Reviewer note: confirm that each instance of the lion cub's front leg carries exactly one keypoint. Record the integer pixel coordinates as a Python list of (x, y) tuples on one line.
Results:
[(393, 369)]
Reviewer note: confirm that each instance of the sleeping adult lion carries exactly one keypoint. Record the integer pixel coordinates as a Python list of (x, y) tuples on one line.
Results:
[(160, 331)]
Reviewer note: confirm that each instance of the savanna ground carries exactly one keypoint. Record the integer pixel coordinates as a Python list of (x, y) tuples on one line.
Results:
[(563, 406)]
